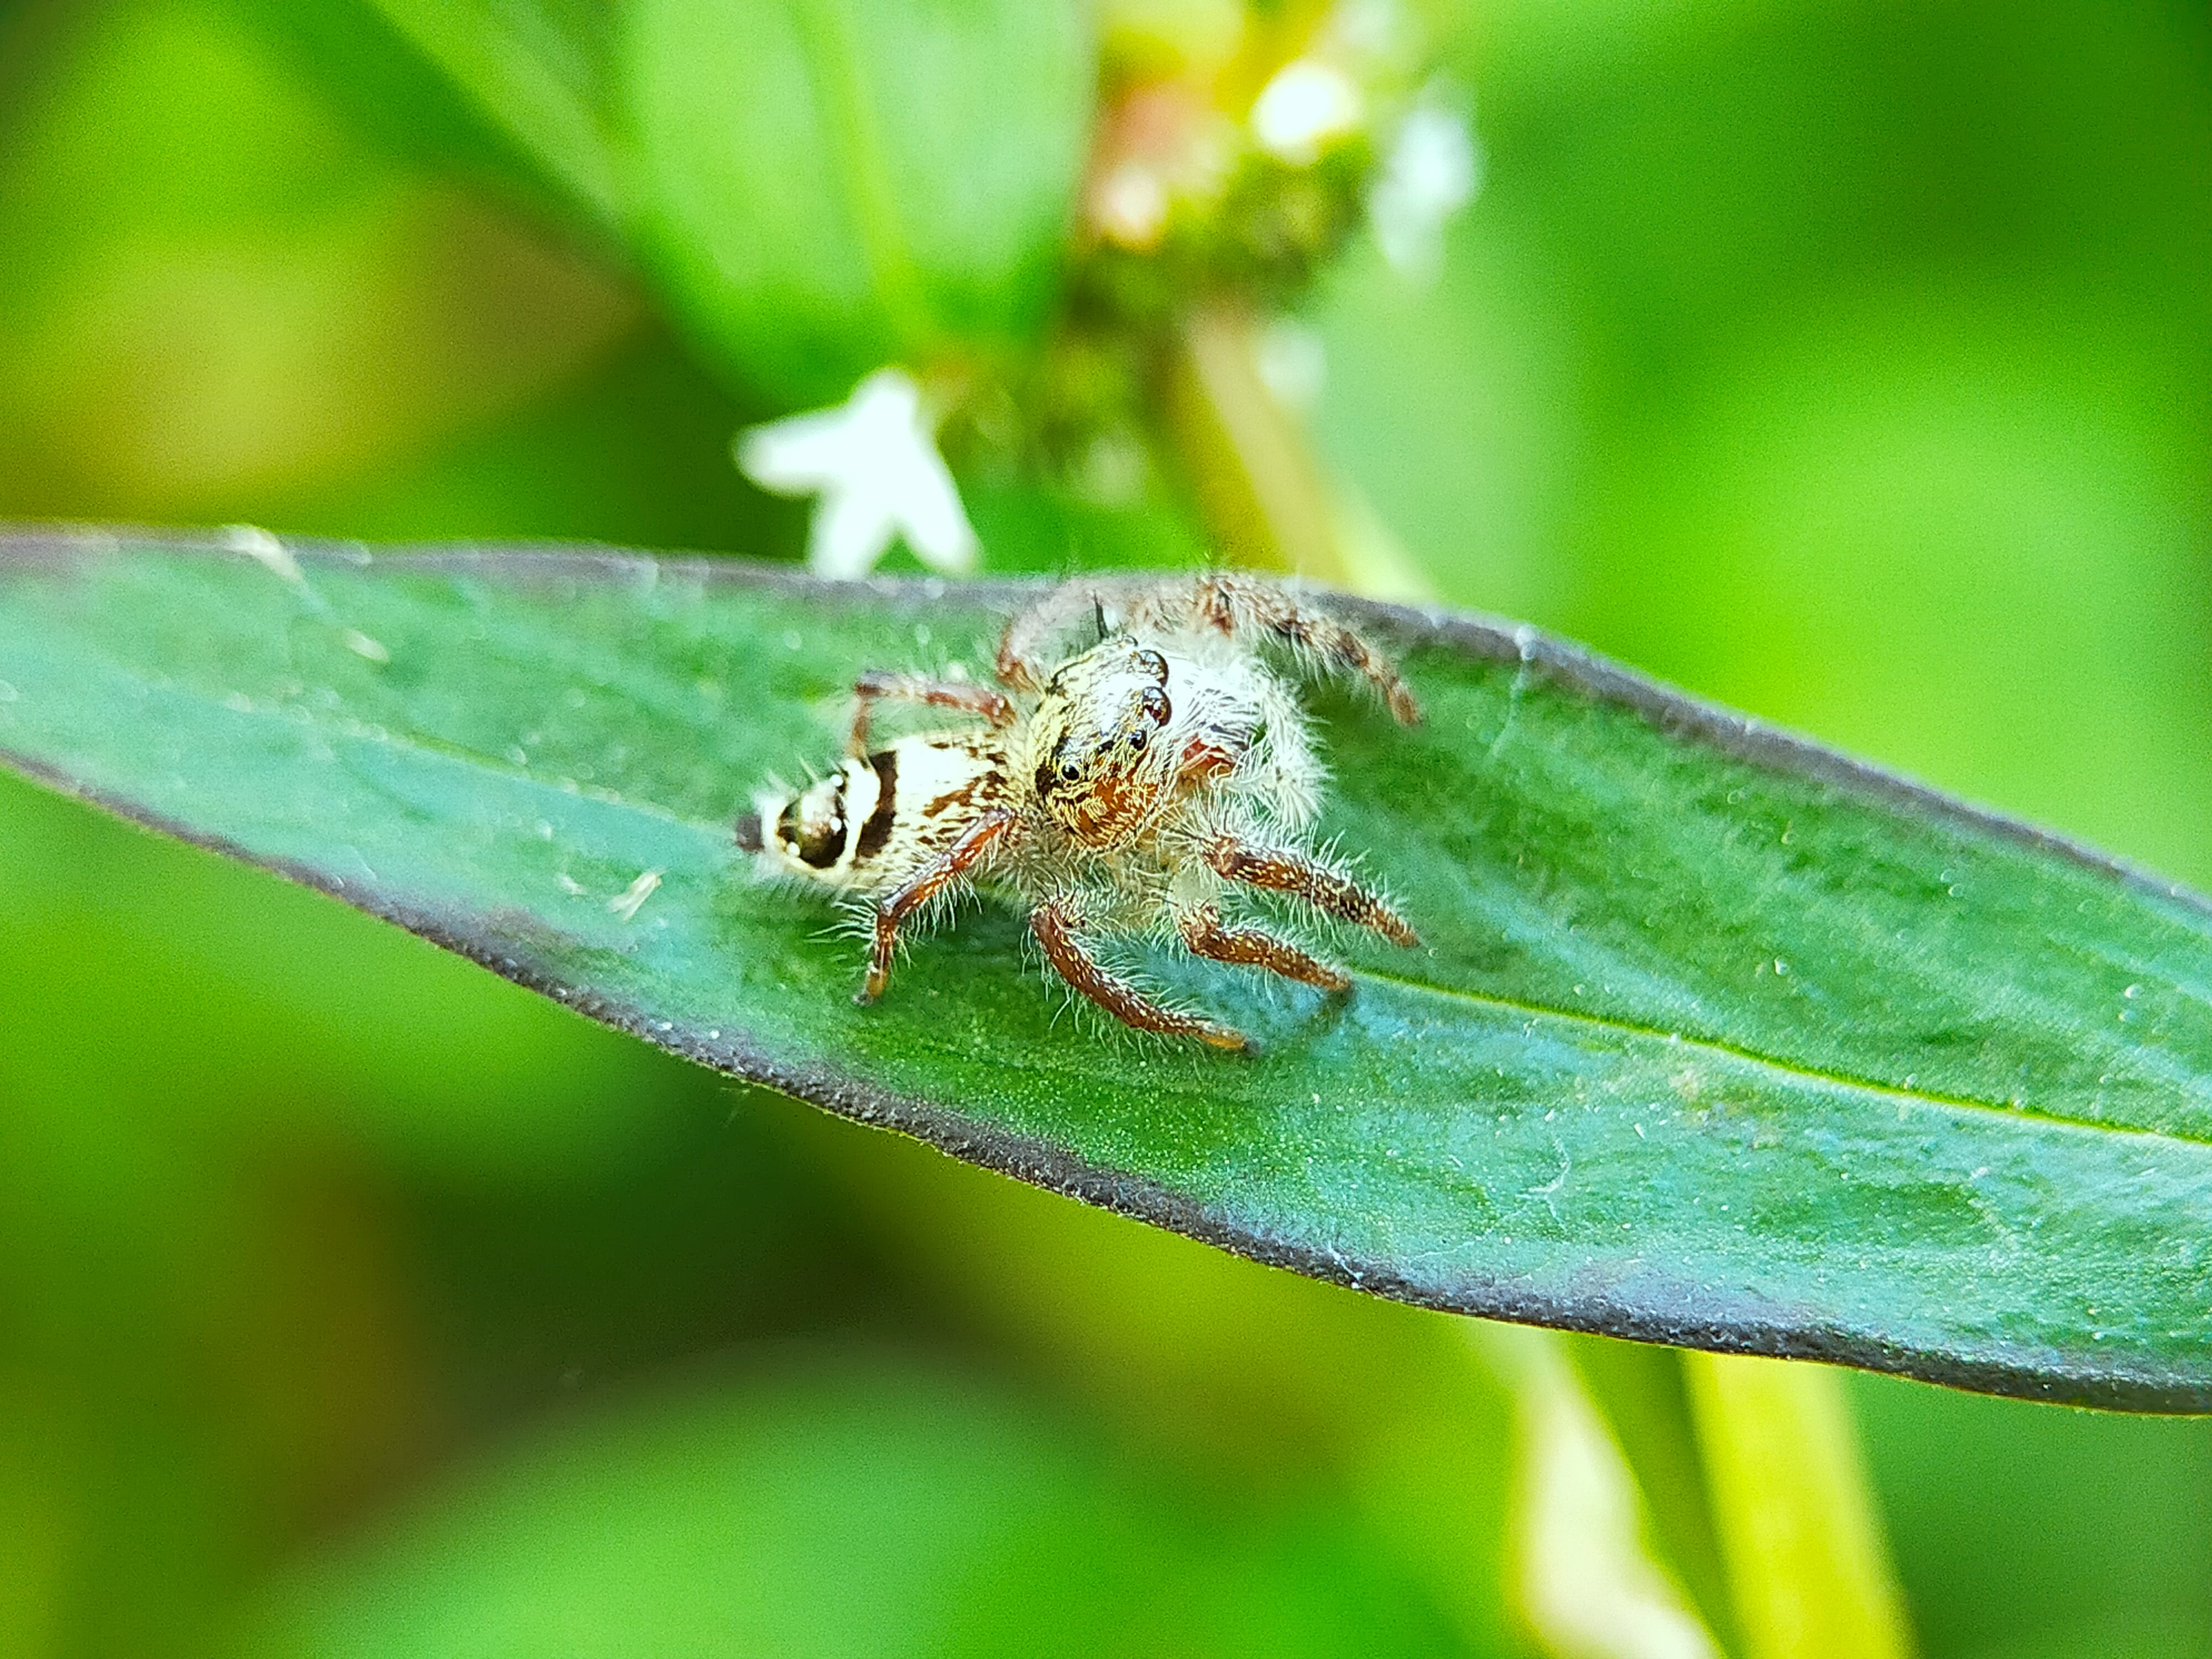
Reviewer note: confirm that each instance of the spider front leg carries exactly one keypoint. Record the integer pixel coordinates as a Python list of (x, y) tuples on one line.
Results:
[(925, 885), (1202, 930), (1281, 872), (1056, 923), (1235, 604), (1026, 650), (872, 688)]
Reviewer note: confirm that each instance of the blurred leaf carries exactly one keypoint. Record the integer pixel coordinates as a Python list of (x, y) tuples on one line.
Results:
[(1587, 1577), (542, 71), (1840, 362), (1640, 1391), (217, 294), (380, 84), (1718, 1039), (1796, 1527), (1257, 1378), (831, 1511), (637, 450), (2030, 1532), (828, 186)]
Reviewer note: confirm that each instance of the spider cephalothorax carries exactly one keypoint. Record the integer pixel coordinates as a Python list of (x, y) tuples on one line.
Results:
[(1144, 777), (1099, 760)]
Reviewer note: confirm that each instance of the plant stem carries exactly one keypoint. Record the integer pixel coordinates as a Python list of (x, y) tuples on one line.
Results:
[(1264, 493), (1796, 1523)]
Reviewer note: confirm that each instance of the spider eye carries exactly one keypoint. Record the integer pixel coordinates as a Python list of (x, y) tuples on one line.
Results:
[(1071, 772), (1136, 740), (1153, 664)]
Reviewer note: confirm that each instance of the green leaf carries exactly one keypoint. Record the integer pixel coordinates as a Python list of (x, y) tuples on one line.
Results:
[(1645, 1402), (540, 70), (1716, 1040), (828, 186), (842, 1509)]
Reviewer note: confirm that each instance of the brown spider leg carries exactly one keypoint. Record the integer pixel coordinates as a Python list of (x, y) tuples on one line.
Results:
[(1071, 958), (1233, 604), (874, 687), (922, 886), (1252, 947), (1279, 872), (1021, 661)]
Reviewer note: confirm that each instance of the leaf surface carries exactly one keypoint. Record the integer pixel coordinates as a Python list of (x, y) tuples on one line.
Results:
[(828, 185), (1717, 1039), (541, 70)]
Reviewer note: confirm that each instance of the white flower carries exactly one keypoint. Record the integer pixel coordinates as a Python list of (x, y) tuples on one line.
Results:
[(1305, 105), (873, 462), (1429, 174)]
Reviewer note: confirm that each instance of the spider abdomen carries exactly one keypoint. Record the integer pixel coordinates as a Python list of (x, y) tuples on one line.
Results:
[(879, 816)]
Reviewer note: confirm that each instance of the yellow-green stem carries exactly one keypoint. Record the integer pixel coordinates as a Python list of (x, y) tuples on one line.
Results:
[(1267, 498), (1796, 1522)]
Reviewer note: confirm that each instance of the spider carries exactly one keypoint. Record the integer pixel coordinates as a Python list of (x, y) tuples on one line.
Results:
[(1130, 783)]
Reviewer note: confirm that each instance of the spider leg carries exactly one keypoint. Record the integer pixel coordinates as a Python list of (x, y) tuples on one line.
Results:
[(874, 687), (1279, 872), (948, 866), (1022, 661), (1054, 922), (1202, 930), (1234, 605)]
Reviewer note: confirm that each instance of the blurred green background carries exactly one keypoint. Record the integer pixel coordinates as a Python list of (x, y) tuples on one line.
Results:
[(1848, 362)]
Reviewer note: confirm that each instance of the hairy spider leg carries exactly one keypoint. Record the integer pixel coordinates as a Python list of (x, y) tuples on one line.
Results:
[(1020, 662), (1231, 604), (948, 866), (1281, 872), (1252, 947), (1054, 922), (874, 687), (1236, 606)]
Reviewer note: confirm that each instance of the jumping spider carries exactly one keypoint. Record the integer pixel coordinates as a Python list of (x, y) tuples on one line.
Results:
[(1130, 784)]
